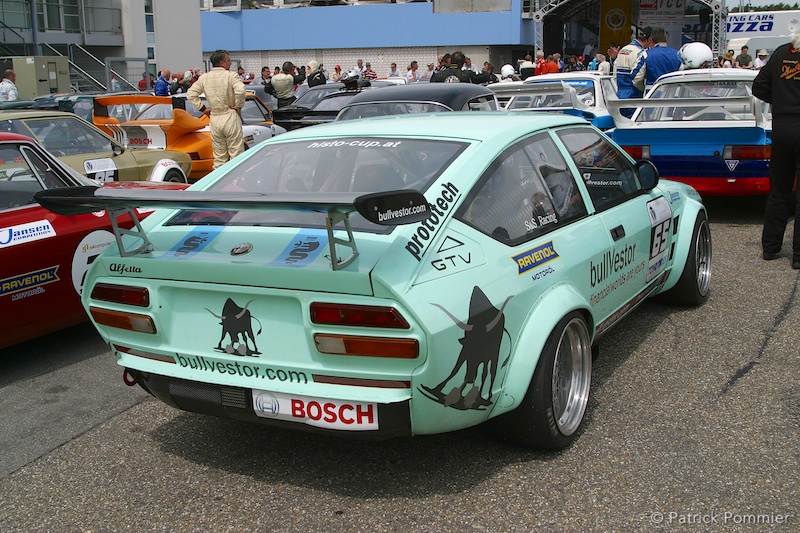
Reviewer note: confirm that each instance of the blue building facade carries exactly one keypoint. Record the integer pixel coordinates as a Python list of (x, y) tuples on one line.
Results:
[(381, 32)]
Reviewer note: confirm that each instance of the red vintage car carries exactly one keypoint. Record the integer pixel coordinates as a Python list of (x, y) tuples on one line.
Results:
[(44, 256)]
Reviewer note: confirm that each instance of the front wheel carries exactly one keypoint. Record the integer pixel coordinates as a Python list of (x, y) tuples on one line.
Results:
[(173, 176), (550, 414), (692, 287)]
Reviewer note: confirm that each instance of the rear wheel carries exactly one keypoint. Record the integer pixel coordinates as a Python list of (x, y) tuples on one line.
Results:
[(554, 406), (692, 287)]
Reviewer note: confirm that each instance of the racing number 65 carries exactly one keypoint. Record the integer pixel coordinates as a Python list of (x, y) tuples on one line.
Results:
[(660, 238)]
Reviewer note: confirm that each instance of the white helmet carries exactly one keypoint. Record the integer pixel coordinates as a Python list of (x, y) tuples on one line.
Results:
[(352, 75), (695, 55), (507, 71)]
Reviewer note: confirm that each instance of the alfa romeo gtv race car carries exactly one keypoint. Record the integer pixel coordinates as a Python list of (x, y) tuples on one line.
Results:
[(395, 276)]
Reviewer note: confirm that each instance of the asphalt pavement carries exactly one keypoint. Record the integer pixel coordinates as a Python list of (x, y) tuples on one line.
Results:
[(693, 425)]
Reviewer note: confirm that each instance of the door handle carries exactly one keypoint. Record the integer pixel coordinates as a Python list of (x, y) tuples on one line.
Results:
[(617, 233)]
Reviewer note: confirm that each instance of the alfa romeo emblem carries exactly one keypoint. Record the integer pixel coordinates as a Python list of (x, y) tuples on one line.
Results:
[(242, 249)]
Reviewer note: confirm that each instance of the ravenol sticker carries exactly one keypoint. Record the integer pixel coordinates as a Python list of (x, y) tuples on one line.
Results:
[(194, 242), (32, 231), (535, 257), (303, 248), (28, 280)]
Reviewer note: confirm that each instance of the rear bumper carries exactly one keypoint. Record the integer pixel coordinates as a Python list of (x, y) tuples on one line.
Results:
[(237, 403), (725, 186)]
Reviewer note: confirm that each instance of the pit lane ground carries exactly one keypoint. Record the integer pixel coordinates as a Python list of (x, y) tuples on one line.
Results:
[(693, 425)]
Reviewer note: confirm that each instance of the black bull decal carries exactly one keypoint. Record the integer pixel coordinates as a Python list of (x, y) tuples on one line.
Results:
[(236, 321), (480, 348)]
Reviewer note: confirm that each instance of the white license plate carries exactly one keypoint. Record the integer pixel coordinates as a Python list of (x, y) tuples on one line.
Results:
[(319, 412)]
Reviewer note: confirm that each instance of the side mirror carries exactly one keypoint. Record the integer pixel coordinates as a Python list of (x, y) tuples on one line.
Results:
[(648, 174), (117, 149)]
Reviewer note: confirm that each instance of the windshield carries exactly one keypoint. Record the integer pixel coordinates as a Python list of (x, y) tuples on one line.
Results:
[(311, 97), (380, 109), (347, 164), (584, 89), (68, 136)]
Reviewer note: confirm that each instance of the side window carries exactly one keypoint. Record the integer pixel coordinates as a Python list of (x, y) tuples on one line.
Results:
[(527, 192), (482, 103), (251, 113), (608, 175), (18, 181), (43, 170)]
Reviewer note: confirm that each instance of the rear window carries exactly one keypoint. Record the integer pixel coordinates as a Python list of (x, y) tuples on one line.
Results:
[(346, 164), (380, 109), (701, 89)]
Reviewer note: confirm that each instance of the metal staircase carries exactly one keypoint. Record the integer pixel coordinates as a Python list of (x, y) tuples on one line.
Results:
[(87, 72)]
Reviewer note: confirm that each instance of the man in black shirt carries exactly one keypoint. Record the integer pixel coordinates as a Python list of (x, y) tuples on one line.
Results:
[(778, 83), (454, 73)]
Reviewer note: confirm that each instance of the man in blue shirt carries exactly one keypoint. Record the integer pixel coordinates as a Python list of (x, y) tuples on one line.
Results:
[(661, 59), (162, 83)]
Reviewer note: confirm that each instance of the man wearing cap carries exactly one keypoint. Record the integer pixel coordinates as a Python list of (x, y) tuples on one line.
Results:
[(427, 74), (761, 60), (224, 93), (776, 84), (630, 67), (744, 60), (368, 73)]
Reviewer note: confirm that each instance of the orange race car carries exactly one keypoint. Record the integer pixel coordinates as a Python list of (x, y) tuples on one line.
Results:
[(173, 123)]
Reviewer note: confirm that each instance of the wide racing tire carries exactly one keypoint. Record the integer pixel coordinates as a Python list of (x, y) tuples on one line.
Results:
[(693, 286), (551, 413)]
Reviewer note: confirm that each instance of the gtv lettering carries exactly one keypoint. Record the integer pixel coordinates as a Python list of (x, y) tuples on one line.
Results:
[(451, 261), (428, 227)]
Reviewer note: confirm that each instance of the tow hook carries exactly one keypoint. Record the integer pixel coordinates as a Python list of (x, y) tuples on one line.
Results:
[(128, 378)]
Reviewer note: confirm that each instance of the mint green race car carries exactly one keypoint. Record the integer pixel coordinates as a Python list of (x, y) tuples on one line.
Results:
[(395, 276)]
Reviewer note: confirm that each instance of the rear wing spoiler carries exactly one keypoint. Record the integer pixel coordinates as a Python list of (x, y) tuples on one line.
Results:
[(722, 105), (388, 208), (544, 88)]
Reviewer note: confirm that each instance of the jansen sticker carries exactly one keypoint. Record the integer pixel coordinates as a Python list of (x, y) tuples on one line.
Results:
[(318, 412), (29, 232)]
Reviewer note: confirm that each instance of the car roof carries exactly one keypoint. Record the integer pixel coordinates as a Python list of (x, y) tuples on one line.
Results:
[(6, 137), (502, 126), (453, 95), (19, 114)]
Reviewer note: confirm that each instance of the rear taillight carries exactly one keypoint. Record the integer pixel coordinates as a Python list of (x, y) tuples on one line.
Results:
[(121, 294), (367, 346), (759, 151), (638, 152), (357, 315), (123, 320)]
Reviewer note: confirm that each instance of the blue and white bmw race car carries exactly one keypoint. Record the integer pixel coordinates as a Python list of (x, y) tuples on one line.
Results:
[(701, 127)]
